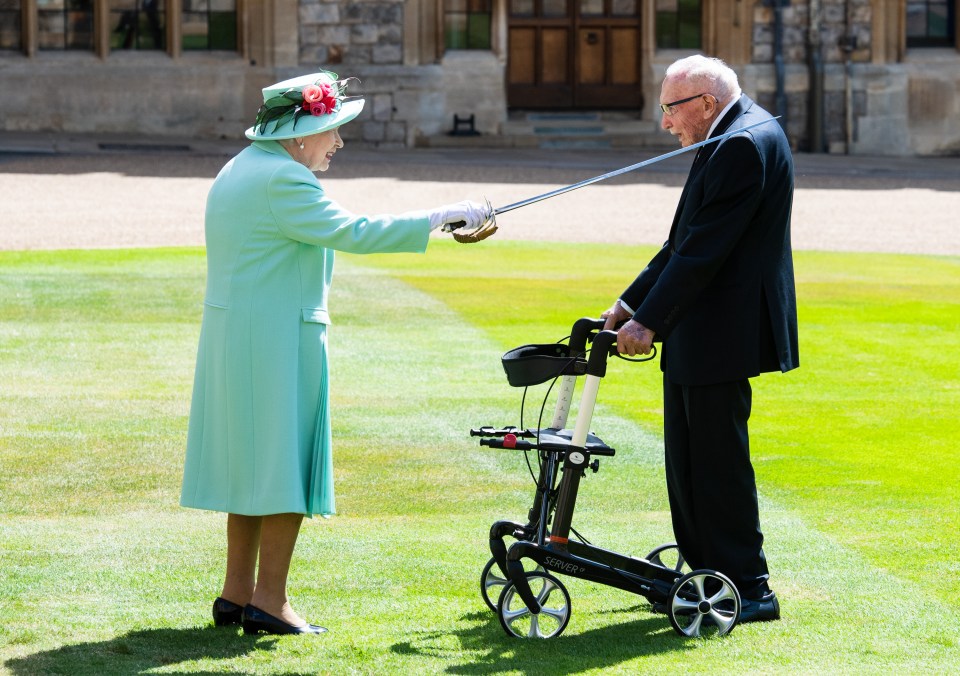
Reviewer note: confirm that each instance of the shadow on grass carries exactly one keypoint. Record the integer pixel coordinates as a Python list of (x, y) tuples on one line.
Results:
[(141, 651), (488, 649)]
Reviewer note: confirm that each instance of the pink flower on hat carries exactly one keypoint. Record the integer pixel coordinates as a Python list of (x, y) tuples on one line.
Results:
[(312, 93), (319, 99)]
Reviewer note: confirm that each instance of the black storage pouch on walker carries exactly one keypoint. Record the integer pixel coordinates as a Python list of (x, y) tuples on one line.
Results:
[(534, 364)]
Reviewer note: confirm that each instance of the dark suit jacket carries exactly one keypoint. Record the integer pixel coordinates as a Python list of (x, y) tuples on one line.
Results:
[(720, 293)]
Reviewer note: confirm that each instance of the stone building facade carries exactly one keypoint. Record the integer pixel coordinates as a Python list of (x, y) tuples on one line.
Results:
[(854, 76), (852, 82)]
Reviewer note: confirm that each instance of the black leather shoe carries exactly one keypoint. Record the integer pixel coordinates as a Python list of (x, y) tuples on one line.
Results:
[(226, 612), (764, 609), (256, 621)]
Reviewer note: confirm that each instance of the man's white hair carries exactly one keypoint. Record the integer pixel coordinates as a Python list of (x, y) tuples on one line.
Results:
[(707, 73)]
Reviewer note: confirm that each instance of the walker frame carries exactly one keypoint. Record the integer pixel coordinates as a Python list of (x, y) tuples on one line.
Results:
[(531, 601)]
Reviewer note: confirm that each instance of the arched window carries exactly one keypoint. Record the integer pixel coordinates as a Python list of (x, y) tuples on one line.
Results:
[(679, 24)]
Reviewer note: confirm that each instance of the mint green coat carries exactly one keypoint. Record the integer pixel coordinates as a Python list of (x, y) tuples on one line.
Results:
[(259, 438)]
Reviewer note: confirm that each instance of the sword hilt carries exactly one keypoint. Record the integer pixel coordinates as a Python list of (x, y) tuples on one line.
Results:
[(456, 225), (450, 227)]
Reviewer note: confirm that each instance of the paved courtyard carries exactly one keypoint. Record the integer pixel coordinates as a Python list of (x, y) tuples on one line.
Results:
[(69, 192)]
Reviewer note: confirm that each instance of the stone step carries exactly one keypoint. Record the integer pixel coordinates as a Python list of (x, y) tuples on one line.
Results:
[(565, 130), (653, 141), (576, 124)]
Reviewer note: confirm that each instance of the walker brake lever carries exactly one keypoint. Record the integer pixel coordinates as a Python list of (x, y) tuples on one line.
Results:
[(491, 431)]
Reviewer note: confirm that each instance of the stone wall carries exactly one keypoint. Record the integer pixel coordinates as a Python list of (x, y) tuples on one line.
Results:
[(841, 34), (910, 107), (197, 96), (364, 39), (401, 102), (835, 25), (886, 117), (351, 32), (474, 85)]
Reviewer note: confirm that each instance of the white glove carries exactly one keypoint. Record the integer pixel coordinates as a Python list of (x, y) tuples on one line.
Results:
[(472, 214)]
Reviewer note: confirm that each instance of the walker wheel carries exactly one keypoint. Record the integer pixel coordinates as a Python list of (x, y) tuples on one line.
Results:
[(668, 556), (703, 602), (492, 581), (519, 622)]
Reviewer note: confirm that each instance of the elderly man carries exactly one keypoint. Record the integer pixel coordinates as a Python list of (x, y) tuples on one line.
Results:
[(720, 295)]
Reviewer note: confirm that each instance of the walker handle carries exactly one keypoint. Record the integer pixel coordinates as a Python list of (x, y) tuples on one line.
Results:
[(580, 334), (604, 345)]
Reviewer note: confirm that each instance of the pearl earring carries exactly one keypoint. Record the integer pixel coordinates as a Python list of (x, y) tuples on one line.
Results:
[(301, 145)]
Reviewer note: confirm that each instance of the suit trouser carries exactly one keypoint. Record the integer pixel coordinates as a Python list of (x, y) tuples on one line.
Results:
[(710, 481)]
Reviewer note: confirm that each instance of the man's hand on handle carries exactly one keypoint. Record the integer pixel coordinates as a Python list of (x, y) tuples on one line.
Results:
[(633, 338)]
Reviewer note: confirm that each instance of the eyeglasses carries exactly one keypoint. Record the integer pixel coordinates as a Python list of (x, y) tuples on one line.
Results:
[(667, 108)]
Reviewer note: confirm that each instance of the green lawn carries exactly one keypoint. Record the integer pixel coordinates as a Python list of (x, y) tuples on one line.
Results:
[(863, 439), (101, 572)]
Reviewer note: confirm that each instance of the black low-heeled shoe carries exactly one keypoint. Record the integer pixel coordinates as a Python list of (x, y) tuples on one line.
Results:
[(226, 613), (256, 621)]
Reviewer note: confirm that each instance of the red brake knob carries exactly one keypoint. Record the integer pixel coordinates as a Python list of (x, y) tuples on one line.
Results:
[(510, 441)]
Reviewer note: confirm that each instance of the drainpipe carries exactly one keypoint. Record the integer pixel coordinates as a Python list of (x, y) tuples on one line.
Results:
[(848, 43), (815, 69), (778, 59)]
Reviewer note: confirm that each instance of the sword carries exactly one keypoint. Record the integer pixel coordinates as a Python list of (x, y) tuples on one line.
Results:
[(487, 231)]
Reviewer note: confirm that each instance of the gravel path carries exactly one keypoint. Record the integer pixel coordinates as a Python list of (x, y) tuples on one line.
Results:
[(157, 198)]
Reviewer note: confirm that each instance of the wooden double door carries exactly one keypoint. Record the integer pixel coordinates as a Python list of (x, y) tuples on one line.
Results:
[(573, 54)]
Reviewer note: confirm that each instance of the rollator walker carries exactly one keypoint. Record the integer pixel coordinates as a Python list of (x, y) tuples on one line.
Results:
[(519, 583)]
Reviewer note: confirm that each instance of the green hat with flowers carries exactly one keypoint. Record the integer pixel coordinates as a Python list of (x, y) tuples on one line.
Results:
[(304, 105)]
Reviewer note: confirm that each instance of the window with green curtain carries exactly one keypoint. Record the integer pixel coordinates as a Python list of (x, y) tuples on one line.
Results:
[(65, 24), (209, 24), (10, 20), (138, 24), (931, 23), (466, 24), (679, 24)]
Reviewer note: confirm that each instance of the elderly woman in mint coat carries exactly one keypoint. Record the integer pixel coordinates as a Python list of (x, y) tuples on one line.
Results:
[(259, 439)]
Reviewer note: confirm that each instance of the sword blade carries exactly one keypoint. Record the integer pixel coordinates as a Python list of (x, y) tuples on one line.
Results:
[(624, 170)]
